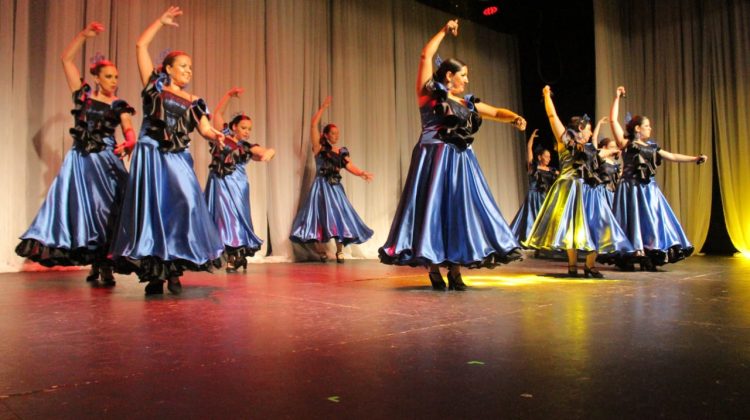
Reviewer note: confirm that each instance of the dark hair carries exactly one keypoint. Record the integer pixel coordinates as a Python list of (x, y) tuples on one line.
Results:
[(578, 123), (237, 119), (97, 67), (540, 151), (605, 142), (169, 60), (452, 65), (323, 140), (634, 122)]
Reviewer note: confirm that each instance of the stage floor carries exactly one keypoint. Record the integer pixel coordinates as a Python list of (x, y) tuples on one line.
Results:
[(365, 340)]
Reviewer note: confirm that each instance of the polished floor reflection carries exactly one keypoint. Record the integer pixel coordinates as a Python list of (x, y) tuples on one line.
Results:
[(364, 340)]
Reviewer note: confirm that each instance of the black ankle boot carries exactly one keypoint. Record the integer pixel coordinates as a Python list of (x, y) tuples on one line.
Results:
[(174, 285), (108, 278), (592, 273), (455, 282), (93, 273), (437, 281), (155, 287), (572, 271)]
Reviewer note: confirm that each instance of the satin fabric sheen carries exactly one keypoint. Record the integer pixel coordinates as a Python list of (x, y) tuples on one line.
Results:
[(574, 216), (228, 200), (327, 213)]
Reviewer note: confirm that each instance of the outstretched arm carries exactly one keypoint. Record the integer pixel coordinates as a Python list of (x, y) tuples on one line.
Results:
[(595, 135), (209, 133), (428, 52), (617, 130), (145, 65), (676, 157), (358, 172), (554, 121), (218, 117), (314, 131), (501, 115), (72, 74), (261, 154)]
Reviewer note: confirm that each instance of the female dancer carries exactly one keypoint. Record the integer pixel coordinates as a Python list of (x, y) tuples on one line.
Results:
[(227, 188), (327, 213), (639, 205), (571, 218), (165, 227), (446, 215), (541, 178), (76, 221), (609, 170)]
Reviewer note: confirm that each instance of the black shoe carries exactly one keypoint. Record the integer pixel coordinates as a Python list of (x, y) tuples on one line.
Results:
[(437, 281), (93, 274), (241, 262), (455, 282), (108, 278), (340, 257), (592, 273), (174, 285), (572, 271), (155, 287), (323, 257)]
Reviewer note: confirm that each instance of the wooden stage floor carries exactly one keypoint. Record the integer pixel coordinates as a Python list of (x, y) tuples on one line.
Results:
[(365, 340)]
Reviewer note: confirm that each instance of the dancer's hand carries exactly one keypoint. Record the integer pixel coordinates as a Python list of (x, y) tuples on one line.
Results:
[(452, 27), (520, 123), (93, 29), (534, 134), (602, 120), (620, 93), (326, 102), (366, 176), (125, 148), (268, 155), (170, 16), (547, 91), (701, 159), (235, 92)]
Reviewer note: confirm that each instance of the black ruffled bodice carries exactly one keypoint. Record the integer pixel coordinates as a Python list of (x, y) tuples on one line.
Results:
[(329, 164), (640, 161), (585, 158), (168, 118), (609, 174), (541, 180), (447, 120), (95, 120), (224, 160)]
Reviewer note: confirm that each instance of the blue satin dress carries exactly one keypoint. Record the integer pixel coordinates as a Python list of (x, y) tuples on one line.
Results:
[(642, 210), (540, 181), (75, 224), (165, 227), (573, 216), (228, 198), (327, 212), (447, 215)]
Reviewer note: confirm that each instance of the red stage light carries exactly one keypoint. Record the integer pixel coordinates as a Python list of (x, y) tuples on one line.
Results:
[(489, 11)]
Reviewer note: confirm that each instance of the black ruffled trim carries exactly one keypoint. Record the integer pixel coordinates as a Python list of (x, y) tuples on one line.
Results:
[(88, 136), (153, 268), (332, 164), (656, 257), (544, 179), (50, 257), (490, 261), (240, 252), (175, 138), (224, 160)]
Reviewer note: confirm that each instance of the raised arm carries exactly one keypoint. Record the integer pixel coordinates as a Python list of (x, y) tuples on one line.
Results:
[(501, 115), (617, 130), (676, 157), (72, 74), (554, 121), (145, 65), (595, 134), (530, 149), (428, 53), (218, 117), (314, 130)]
